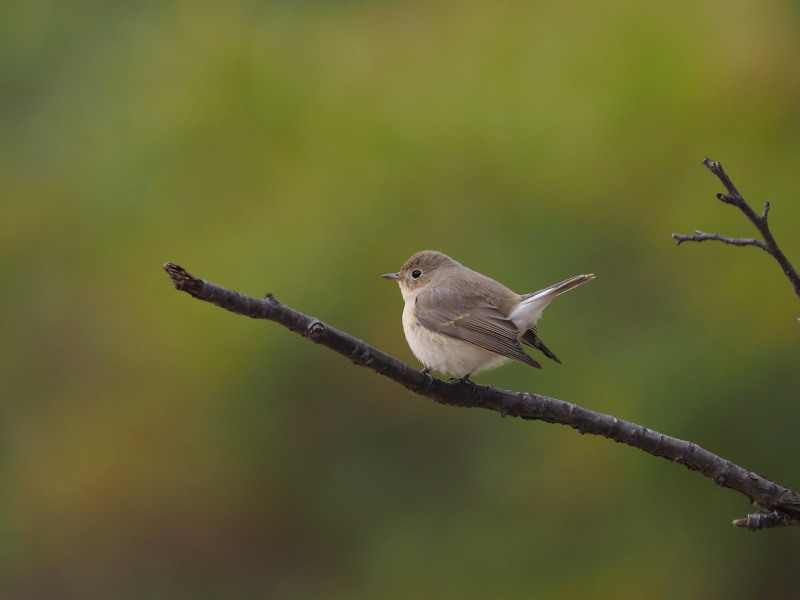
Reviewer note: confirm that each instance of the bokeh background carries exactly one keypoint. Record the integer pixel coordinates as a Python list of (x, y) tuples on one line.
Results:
[(157, 447)]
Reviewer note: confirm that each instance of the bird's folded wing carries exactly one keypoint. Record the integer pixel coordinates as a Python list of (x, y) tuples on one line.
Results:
[(483, 326)]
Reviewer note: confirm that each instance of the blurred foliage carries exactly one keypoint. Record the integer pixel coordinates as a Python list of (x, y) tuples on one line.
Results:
[(157, 447)]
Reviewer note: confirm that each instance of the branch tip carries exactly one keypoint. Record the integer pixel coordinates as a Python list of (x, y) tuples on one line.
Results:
[(182, 279), (740, 523), (713, 165)]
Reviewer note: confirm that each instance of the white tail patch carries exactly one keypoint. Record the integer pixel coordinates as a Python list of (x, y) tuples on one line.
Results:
[(528, 311)]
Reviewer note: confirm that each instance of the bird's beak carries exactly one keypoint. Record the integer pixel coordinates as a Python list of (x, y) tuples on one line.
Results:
[(395, 276)]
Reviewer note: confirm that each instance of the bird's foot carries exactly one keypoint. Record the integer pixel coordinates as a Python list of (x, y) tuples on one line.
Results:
[(465, 380), (428, 377)]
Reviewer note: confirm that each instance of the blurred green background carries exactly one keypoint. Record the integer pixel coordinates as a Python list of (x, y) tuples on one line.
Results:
[(155, 447)]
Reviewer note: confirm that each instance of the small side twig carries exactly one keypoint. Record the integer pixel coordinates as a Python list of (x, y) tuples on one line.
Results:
[(777, 506), (767, 243), (765, 520), (702, 236)]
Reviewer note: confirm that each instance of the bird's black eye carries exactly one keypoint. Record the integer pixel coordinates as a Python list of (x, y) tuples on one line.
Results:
[(416, 274)]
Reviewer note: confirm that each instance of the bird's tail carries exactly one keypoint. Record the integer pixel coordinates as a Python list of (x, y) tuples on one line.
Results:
[(527, 313), (530, 308)]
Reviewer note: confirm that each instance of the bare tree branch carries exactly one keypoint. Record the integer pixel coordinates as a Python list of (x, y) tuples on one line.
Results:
[(777, 506), (768, 244)]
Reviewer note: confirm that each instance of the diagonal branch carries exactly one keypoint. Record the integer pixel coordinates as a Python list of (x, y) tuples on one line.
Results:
[(768, 244), (777, 506)]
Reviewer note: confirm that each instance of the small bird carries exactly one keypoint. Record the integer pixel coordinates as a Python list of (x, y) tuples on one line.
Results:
[(459, 322)]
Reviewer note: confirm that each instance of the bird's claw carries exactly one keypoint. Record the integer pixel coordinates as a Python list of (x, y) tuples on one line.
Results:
[(465, 380)]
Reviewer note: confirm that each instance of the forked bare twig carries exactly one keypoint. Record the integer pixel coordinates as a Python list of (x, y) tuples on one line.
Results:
[(767, 243)]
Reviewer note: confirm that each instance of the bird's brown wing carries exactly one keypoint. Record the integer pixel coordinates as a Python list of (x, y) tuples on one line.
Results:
[(484, 326)]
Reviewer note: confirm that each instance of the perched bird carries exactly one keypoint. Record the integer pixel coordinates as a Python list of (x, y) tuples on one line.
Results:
[(460, 322)]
